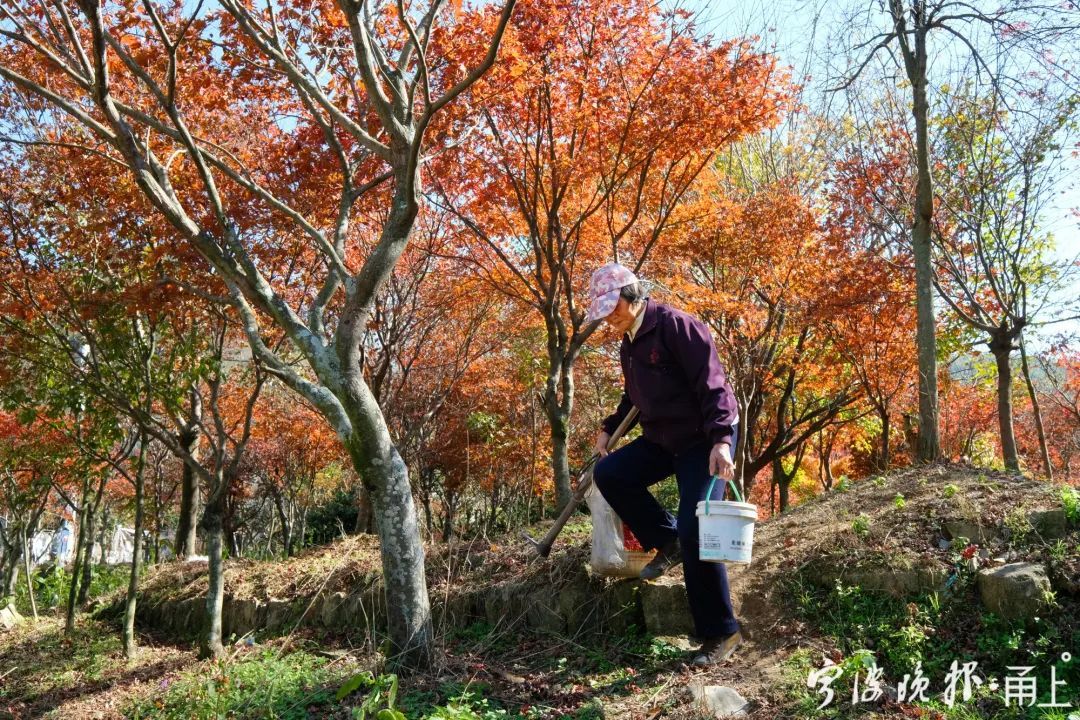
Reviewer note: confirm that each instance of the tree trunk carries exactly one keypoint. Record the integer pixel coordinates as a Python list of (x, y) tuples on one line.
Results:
[(88, 564), (189, 495), (270, 536), (886, 447), (449, 506), (408, 607), (130, 646), (11, 575), (1001, 347), (1048, 468), (926, 338), (741, 448), (560, 460), (558, 406), (213, 531), (29, 576), (825, 450), (286, 524), (80, 542), (829, 479), (782, 481), (186, 533)]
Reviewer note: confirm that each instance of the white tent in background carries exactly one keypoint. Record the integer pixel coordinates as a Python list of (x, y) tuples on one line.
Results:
[(42, 545), (121, 546), (118, 550)]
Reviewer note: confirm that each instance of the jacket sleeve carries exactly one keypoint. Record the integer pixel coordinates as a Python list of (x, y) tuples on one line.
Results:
[(611, 422), (701, 365)]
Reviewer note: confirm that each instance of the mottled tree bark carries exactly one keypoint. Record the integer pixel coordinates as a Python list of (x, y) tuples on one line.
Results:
[(130, 643), (186, 534), (213, 532), (88, 565)]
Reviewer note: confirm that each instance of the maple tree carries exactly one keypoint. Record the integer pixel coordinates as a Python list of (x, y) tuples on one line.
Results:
[(993, 38), (760, 269), (875, 318), (102, 332), (32, 458), (596, 125), (486, 450), (262, 262), (142, 86), (994, 269), (290, 446), (1061, 394)]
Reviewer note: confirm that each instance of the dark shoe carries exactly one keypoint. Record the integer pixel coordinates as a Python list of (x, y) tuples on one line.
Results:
[(717, 649), (666, 558)]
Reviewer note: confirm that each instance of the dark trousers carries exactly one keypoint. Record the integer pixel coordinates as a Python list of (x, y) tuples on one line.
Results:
[(623, 478)]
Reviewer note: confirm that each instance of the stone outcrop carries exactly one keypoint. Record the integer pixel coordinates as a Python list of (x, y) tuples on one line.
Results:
[(1050, 524), (665, 607), (1017, 591), (579, 603), (891, 580), (972, 530)]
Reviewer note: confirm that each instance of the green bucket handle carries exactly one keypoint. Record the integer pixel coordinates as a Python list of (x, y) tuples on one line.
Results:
[(730, 483)]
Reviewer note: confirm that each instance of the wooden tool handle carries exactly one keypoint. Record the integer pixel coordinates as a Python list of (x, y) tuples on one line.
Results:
[(584, 482)]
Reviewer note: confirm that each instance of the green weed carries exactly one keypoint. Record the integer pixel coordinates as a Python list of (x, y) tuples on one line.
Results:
[(1070, 501), (1059, 551), (861, 525), (261, 685), (934, 631), (1019, 525)]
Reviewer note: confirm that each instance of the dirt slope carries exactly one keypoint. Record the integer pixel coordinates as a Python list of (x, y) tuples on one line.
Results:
[(902, 521)]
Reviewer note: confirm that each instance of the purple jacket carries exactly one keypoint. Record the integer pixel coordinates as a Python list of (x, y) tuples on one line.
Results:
[(673, 376)]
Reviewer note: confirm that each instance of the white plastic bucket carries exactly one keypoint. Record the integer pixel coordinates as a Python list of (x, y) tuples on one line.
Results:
[(726, 530)]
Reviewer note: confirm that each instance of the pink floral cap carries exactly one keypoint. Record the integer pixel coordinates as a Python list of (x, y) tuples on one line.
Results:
[(604, 289)]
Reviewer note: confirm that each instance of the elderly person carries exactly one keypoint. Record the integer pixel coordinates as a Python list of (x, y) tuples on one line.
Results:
[(688, 419)]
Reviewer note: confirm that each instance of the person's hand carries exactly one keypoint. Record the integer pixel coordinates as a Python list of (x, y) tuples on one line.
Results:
[(720, 462), (601, 444)]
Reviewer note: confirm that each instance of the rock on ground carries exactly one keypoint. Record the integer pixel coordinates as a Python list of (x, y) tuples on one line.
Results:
[(1014, 592), (1050, 524), (9, 617), (665, 607), (973, 530), (718, 701)]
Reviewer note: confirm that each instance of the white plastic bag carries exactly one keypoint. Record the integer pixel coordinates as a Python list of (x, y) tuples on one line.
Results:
[(609, 554)]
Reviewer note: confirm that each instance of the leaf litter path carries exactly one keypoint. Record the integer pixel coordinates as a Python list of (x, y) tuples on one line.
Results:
[(822, 528)]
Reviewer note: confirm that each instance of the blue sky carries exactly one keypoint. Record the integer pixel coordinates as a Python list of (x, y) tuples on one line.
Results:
[(803, 34)]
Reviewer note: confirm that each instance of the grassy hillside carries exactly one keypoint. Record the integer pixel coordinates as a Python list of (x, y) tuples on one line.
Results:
[(884, 572)]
